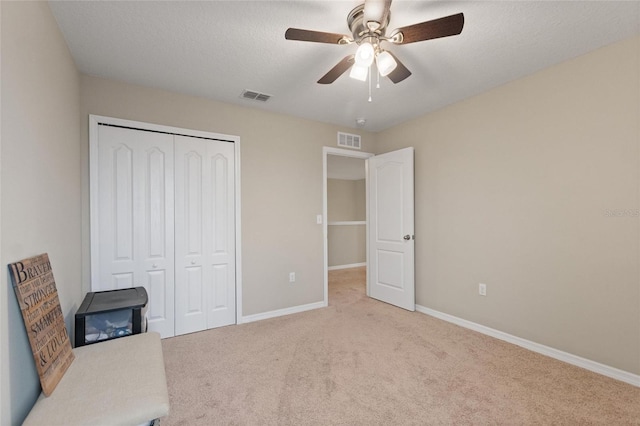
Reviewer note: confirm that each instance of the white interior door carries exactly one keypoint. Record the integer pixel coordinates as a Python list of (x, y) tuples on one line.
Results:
[(205, 234), (135, 218), (391, 232)]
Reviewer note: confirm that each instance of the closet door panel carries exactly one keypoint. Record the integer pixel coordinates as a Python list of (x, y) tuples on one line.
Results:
[(205, 233), (156, 226), (122, 280), (158, 188), (190, 227), (159, 307), (135, 217), (220, 277), (221, 254), (194, 291), (116, 209)]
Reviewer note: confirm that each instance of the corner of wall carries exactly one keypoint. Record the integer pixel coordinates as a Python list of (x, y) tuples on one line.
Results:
[(39, 181)]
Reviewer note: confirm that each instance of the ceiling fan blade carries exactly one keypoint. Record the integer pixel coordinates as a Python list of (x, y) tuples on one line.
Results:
[(314, 36), (400, 73), (442, 27), (338, 70)]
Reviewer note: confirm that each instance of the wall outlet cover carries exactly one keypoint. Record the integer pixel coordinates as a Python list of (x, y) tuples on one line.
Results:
[(482, 289)]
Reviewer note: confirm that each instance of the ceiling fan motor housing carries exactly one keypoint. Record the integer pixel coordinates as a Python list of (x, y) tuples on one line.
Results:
[(360, 31)]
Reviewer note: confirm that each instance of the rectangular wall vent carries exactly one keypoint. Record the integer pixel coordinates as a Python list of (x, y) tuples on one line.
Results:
[(255, 96), (348, 140)]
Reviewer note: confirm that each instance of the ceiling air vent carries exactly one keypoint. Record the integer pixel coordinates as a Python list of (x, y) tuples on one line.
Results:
[(255, 96), (348, 140)]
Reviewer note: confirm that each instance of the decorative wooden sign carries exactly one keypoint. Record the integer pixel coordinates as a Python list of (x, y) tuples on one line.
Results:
[(37, 296)]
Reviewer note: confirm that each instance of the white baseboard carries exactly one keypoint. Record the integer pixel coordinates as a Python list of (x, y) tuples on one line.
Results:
[(351, 265), (281, 312), (596, 367)]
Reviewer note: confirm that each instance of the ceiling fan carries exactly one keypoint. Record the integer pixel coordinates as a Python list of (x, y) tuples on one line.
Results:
[(368, 24)]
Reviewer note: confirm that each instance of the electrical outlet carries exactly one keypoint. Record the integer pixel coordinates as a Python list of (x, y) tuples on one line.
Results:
[(292, 277), (482, 289)]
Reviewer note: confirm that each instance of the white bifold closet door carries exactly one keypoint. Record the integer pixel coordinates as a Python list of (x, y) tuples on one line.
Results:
[(166, 221), (135, 218), (205, 234)]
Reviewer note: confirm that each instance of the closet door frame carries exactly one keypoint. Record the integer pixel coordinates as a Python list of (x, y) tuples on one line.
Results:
[(94, 122)]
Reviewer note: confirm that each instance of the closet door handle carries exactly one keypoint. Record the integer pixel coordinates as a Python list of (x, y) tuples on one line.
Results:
[(407, 237)]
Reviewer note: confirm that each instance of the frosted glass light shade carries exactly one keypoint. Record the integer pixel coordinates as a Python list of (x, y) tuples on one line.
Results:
[(385, 63), (359, 72), (365, 55)]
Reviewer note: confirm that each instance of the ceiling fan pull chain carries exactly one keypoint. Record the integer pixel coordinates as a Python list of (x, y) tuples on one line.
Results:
[(369, 84), (378, 78)]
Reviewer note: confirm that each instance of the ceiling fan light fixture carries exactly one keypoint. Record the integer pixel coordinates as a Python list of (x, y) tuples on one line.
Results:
[(385, 63), (359, 72), (365, 54)]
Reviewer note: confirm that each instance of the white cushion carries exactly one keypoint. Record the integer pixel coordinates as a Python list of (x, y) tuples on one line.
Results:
[(117, 382)]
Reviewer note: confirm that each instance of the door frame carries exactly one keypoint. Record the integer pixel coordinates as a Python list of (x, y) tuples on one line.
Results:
[(326, 151), (94, 122)]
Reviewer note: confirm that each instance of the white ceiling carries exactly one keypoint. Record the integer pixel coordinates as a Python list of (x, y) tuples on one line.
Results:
[(215, 49)]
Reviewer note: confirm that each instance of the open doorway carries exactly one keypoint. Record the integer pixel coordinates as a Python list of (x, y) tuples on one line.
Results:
[(345, 215), (390, 245)]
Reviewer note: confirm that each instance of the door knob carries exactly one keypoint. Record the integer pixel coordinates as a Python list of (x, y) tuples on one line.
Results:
[(407, 237)]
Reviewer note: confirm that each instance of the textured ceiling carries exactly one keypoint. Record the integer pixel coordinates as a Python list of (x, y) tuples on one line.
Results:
[(215, 49)]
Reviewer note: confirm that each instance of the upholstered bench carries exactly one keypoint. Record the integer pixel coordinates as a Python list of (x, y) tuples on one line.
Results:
[(116, 382)]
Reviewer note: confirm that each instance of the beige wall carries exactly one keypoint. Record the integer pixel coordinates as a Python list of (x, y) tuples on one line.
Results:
[(40, 182), (361, 199), (515, 188), (346, 202), (346, 245), (281, 183)]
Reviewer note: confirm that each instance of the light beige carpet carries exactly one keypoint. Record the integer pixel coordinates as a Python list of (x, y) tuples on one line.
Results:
[(363, 362)]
